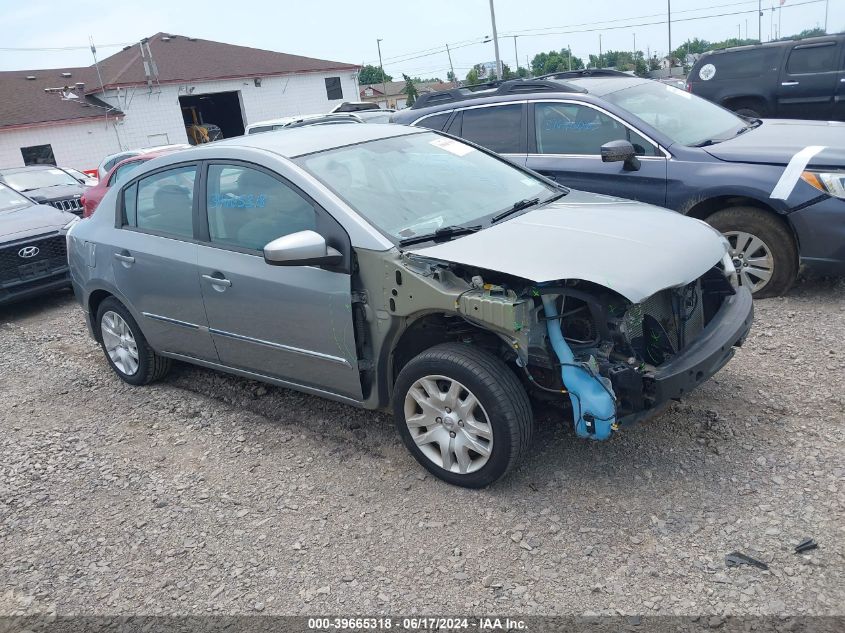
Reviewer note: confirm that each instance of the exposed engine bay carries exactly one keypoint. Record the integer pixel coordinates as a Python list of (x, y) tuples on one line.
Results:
[(572, 340)]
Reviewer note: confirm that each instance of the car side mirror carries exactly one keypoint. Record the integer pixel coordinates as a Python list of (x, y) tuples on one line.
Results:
[(304, 248), (620, 151)]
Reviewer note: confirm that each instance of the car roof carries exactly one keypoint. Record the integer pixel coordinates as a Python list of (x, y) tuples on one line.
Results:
[(317, 138), (17, 170), (568, 84), (830, 37), (144, 156)]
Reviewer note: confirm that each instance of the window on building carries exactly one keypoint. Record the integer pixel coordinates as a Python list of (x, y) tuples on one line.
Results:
[(163, 202), (334, 91), (498, 128), (38, 155), (812, 59), (249, 208)]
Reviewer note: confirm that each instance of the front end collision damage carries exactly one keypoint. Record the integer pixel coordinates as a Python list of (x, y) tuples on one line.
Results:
[(615, 361)]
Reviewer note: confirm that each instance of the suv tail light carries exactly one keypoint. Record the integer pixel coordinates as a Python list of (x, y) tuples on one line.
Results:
[(689, 86)]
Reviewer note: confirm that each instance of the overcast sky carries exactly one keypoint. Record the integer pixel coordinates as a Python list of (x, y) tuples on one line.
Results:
[(346, 31)]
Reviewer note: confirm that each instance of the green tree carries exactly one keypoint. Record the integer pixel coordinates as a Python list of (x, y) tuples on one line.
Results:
[(410, 90), (554, 62), (472, 76), (372, 75), (450, 76), (805, 33)]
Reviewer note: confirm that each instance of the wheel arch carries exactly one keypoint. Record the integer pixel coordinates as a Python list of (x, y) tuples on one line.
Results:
[(703, 208), (424, 330)]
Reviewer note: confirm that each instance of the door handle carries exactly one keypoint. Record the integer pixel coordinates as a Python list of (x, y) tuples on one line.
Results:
[(217, 281), (789, 83), (126, 259)]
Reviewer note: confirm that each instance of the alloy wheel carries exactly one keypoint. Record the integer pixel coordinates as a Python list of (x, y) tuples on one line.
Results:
[(448, 424), (752, 259), (119, 343)]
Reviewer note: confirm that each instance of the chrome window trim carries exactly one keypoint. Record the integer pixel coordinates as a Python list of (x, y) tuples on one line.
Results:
[(472, 107), (666, 154), (433, 114)]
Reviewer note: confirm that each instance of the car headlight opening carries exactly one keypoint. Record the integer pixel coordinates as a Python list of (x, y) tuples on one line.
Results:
[(830, 182)]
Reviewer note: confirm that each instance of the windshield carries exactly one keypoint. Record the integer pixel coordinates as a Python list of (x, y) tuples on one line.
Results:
[(38, 178), (11, 200), (683, 117), (413, 185)]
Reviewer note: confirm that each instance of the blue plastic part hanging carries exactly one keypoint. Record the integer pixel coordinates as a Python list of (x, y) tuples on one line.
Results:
[(593, 402)]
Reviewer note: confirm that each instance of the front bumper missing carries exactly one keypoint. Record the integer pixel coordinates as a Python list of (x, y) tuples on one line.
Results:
[(701, 359)]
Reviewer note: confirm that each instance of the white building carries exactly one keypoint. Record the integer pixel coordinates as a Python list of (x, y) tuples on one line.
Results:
[(151, 94)]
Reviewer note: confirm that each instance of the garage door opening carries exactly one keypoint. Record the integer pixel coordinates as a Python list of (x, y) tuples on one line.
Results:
[(212, 116)]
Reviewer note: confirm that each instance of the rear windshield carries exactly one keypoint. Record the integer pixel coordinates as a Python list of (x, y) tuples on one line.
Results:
[(740, 65)]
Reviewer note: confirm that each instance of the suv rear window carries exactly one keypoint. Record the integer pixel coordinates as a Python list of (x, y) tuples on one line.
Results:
[(812, 59), (743, 64)]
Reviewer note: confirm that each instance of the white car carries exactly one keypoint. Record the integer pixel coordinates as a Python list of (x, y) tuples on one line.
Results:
[(111, 160)]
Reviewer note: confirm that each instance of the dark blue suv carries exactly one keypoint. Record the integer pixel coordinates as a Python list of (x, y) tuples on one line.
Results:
[(774, 188)]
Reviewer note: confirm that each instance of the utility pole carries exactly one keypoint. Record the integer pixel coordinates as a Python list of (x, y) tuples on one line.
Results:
[(515, 55), (826, 6), (452, 68), (635, 50), (760, 20), (600, 53), (383, 82), (669, 22), (569, 50), (739, 32), (495, 41)]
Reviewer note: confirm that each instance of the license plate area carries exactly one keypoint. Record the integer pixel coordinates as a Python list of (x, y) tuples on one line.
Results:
[(27, 271)]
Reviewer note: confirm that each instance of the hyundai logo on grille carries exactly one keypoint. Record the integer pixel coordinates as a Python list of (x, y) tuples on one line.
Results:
[(28, 251)]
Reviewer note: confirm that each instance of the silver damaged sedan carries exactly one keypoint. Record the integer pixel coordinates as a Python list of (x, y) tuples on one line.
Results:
[(401, 269)]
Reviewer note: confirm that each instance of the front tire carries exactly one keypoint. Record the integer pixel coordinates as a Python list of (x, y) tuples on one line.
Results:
[(763, 249), (462, 414), (125, 346)]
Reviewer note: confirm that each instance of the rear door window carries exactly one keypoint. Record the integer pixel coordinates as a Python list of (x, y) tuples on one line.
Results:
[(434, 122), (163, 203), (122, 171), (812, 59), (498, 128)]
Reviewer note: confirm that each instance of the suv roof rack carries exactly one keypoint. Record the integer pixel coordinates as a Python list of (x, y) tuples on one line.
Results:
[(491, 89), (587, 72)]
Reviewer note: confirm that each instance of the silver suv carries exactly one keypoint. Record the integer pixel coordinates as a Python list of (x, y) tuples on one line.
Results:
[(397, 268)]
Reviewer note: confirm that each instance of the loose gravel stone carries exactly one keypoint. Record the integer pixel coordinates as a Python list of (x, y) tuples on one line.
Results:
[(211, 494)]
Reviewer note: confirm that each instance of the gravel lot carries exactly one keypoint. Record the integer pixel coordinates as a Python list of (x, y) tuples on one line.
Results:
[(211, 494)]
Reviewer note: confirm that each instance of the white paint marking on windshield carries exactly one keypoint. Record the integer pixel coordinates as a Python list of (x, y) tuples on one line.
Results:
[(789, 177)]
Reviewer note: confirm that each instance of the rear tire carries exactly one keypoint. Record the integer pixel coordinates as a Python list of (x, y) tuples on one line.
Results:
[(453, 399), (762, 247), (125, 346)]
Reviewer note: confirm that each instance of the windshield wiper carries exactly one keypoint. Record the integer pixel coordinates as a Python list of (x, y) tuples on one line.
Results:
[(443, 234), (524, 204)]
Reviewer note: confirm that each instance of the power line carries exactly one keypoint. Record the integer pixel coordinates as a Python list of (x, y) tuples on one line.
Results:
[(64, 48), (628, 26), (636, 17)]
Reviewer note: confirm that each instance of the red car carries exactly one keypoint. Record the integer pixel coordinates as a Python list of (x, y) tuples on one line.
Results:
[(94, 194)]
